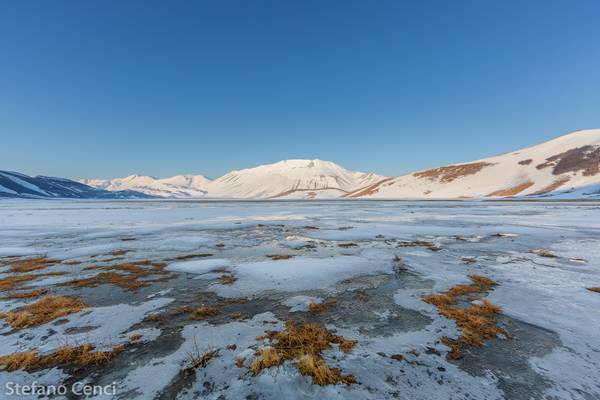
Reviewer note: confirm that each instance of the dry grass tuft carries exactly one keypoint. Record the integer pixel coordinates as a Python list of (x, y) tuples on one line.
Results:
[(195, 255), (128, 276), (135, 337), (317, 308), (227, 279), (27, 295), (14, 281), (239, 362), (279, 256), (83, 355), (200, 361), (476, 322), (421, 243), (304, 345), (321, 373), (44, 310), (347, 245), (32, 264), (204, 312)]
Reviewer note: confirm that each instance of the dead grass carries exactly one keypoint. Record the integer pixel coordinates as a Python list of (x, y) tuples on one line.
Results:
[(544, 253), (46, 309), (476, 322), (303, 345), (135, 337), (511, 191), (227, 279), (27, 295), (200, 361), (83, 355), (204, 312), (32, 264), (239, 362), (317, 308), (420, 243), (13, 281), (279, 256), (127, 276), (195, 255), (594, 289), (347, 245), (452, 172)]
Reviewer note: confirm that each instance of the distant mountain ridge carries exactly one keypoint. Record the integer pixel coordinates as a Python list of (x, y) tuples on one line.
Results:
[(565, 167), (16, 185)]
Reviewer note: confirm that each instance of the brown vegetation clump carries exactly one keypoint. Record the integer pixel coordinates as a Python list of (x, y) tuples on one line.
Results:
[(27, 295), (347, 245), (511, 191), (127, 276), (195, 255), (46, 309), (420, 243), (553, 186), (239, 362), (31, 264), (544, 253), (317, 308), (279, 256), (227, 279), (204, 312), (200, 361), (304, 346), (476, 322), (83, 355), (452, 172), (13, 281), (584, 158), (135, 337)]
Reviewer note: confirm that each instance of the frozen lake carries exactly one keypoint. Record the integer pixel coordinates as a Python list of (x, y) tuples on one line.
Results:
[(189, 291)]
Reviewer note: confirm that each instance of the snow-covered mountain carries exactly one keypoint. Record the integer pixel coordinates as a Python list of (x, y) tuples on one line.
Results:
[(180, 186), (291, 179), (567, 166), (14, 184)]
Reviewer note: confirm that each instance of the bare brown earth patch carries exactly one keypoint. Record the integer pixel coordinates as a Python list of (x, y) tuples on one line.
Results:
[(303, 345), (585, 158), (476, 322), (46, 309), (554, 185), (368, 190), (452, 172), (525, 162), (83, 355), (512, 190)]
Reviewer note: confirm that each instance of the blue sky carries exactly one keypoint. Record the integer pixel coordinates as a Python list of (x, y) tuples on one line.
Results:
[(110, 88)]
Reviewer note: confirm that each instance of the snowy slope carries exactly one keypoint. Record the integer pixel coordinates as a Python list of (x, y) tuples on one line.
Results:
[(291, 179), (14, 184), (180, 186), (569, 163)]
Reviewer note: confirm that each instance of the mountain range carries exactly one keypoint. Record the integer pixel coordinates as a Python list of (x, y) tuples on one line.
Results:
[(564, 167)]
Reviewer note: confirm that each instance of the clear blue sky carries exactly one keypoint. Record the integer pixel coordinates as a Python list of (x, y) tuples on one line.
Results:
[(110, 88)]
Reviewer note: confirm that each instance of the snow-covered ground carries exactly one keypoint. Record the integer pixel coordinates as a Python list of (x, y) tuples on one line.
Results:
[(543, 256)]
